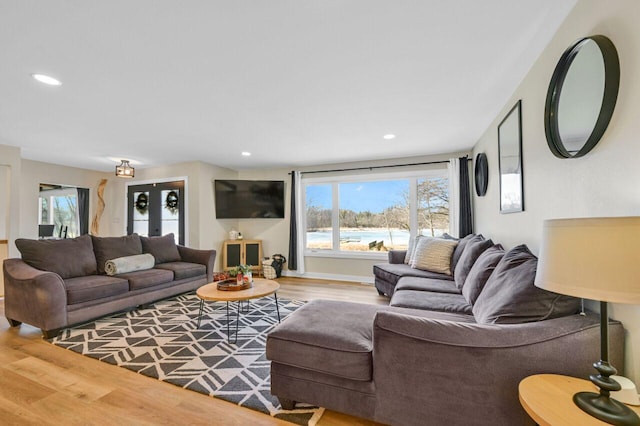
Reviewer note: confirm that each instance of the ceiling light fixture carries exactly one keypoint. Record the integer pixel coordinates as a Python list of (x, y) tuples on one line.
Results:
[(389, 136), (47, 79), (124, 170), (246, 154)]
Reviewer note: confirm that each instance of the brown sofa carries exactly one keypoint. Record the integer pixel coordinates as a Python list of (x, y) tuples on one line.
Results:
[(439, 354), (59, 283)]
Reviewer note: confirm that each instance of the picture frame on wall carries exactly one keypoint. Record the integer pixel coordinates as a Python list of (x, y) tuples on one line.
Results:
[(510, 161)]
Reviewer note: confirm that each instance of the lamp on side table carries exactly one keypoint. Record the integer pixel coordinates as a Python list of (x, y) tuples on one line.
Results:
[(597, 259)]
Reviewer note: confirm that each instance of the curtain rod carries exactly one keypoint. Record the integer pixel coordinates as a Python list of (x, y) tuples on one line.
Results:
[(381, 167)]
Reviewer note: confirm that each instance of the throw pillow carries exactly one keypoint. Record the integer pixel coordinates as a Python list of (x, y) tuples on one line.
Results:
[(163, 248), (68, 258), (509, 296), (433, 254), (411, 248), (107, 248), (480, 272), (462, 243), (472, 251)]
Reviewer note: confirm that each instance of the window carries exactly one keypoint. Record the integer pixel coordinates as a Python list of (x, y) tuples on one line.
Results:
[(373, 213), (59, 207)]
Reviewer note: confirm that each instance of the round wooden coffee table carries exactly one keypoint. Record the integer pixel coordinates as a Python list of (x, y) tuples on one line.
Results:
[(261, 288)]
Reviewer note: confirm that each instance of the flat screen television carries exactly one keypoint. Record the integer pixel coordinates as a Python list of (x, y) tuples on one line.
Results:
[(249, 199)]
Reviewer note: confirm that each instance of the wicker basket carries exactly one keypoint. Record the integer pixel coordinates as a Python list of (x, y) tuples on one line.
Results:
[(268, 271)]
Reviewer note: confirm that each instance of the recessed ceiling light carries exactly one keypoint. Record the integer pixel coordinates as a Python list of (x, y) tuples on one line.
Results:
[(389, 136), (47, 79), (246, 154)]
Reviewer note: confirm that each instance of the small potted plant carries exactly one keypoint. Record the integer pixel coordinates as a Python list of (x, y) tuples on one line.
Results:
[(246, 274)]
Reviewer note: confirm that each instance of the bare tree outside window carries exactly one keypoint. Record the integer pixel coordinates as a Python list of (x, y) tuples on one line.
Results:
[(433, 206)]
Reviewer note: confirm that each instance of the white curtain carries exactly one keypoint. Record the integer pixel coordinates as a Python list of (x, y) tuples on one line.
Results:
[(300, 222), (454, 196)]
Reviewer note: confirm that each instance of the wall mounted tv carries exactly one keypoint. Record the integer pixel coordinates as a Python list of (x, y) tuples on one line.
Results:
[(249, 199)]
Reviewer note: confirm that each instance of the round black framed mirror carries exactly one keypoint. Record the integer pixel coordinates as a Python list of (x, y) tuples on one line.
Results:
[(481, 174), (582, 96)]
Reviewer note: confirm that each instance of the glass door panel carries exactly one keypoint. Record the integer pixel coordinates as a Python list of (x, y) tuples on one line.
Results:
[(141, 213), (156, 209)]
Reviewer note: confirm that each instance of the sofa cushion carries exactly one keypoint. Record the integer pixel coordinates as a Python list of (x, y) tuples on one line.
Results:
[(147, 278), (308, 339), (431, 301), (427, 284), (94, 287), (411, 247), (183, 270), (68, 258), (107, 248), (462, 243), (163, 248), (509, 296), (472, 251), (480, 272), (392, 272), (433, 254)]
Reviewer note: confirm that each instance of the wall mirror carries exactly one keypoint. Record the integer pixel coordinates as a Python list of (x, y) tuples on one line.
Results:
[(510, 161), (582, 96), (481, 174)]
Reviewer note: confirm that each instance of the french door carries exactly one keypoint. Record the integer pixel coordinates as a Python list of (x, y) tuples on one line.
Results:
[(156, 209)]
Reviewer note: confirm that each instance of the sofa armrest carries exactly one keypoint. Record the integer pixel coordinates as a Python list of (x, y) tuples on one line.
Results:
[(203, 257), (397, 256), (465, 373), (33, 296)]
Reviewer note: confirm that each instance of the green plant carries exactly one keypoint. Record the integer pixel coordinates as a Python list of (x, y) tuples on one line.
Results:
[(244, 269), (233, 272)]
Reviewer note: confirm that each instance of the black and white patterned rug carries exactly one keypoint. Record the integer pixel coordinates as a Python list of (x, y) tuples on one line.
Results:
[(162, 342)]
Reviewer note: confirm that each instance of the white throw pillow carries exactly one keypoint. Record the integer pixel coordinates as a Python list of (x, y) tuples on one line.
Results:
[(433, 254), (411, 248)]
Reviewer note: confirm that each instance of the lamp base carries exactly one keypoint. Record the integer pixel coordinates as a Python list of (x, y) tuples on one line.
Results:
[(606, 409)]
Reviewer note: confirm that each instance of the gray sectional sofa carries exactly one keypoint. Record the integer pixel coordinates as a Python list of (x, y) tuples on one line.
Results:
[(59, 283), (447, 350)]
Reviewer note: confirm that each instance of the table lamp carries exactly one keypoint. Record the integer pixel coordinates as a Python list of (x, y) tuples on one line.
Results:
[(597, 259)]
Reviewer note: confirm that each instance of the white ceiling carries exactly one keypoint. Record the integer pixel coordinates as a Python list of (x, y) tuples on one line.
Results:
[(295, 82)]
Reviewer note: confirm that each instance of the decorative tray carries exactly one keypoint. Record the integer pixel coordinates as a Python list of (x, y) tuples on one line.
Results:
[(232, 285)]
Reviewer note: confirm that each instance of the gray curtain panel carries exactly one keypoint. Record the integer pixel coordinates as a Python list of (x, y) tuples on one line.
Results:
[(83, 210), (465, 225), (293, 226)]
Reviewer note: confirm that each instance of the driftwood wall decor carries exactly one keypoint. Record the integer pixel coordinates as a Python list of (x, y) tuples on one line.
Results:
[(95, 224)]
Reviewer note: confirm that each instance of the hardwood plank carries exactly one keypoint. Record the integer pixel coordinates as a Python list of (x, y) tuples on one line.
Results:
[(44, 384), (20, 390), (17, 414)]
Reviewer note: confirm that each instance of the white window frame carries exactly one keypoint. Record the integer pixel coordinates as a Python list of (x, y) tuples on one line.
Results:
[(336, 180)]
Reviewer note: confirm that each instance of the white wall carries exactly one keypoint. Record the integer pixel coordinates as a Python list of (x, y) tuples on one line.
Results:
[(202, 230), (10, 159), (5, 197), (34, 173), (606, 182)]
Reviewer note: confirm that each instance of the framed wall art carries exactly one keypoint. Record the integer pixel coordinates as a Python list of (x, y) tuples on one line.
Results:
[(510, 161)]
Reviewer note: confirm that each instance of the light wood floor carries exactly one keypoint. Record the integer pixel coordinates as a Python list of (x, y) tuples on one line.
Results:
[(46, 385)]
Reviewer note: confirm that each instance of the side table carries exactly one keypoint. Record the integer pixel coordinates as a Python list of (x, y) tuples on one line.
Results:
[(548, 399)]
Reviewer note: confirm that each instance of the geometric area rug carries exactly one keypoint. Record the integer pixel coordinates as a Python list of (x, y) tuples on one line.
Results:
[(161, 341)]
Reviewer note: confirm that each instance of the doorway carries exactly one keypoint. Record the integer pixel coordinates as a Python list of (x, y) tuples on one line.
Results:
[(156, 209)]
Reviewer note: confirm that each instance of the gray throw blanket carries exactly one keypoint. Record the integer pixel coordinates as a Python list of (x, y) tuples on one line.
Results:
[(126, 264)]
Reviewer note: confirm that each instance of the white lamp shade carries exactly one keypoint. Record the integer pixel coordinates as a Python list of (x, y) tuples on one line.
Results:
[(594, 258)]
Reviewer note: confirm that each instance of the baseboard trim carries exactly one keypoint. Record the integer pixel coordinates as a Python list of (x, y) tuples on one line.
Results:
[(335, 277)]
